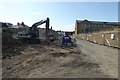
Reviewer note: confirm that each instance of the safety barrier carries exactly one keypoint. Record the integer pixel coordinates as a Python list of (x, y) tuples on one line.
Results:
[(108, 38)]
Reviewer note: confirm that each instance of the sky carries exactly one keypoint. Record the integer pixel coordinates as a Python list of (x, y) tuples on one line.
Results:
[(62, 15)]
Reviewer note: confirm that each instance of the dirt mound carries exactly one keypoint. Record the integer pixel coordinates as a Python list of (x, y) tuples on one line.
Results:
[(42, 33), (10, 46)]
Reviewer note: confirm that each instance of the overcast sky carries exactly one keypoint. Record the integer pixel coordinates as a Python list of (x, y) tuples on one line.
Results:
[(62, 14)]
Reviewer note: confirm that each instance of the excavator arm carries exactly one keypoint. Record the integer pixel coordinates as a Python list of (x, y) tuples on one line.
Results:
[(34, 29), (38, 23)]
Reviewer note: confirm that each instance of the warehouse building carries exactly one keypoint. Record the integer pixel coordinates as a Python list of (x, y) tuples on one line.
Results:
[(85, 26)]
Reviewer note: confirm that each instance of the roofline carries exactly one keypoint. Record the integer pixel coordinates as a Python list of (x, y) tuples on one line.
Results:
[(98, 22)]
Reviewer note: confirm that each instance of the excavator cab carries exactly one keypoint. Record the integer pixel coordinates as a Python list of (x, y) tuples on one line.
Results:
[(33, 33)]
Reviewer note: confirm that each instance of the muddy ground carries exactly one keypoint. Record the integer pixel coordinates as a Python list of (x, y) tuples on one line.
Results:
[(50, 61)]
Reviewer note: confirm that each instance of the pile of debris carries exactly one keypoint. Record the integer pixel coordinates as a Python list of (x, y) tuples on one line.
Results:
[(42, 32)]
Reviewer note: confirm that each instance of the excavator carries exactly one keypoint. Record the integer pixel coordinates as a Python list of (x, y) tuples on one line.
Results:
[(33, 33)]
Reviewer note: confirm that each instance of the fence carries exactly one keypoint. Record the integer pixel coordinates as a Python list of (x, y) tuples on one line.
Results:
[(109, 38)]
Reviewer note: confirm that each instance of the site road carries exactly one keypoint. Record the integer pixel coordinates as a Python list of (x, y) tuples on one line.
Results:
[(106, 57)]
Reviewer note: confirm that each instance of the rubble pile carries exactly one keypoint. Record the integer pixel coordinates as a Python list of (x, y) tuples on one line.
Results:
[(42, 33)]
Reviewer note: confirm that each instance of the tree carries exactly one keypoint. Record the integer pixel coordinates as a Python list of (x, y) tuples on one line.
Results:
[(18, 23), (22, 24)]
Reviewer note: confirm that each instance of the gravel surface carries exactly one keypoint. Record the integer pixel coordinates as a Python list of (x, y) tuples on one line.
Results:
[(106, 56)]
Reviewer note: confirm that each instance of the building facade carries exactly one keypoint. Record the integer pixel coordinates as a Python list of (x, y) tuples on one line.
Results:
[(85, 26)]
